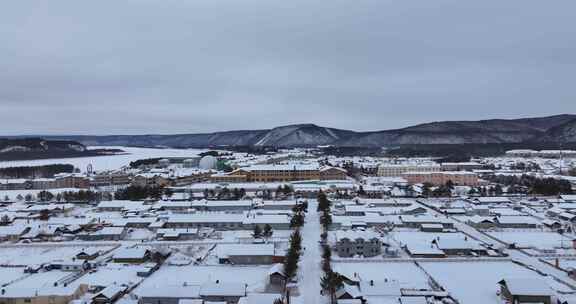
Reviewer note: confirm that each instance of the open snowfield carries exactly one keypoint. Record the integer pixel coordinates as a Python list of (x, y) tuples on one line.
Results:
[(108, 162), (475, 282), (535, 239)]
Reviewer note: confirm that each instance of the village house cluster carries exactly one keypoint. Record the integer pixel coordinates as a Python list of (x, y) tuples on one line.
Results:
[(223, 226)]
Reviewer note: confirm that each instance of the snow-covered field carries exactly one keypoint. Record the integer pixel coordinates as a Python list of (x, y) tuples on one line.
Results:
[(108, 162)]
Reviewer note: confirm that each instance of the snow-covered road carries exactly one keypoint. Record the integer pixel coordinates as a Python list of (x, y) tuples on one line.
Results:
[(310, 270)]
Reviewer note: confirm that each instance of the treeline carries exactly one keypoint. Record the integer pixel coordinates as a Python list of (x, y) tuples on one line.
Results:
[(353, 151), (225, 193), (47, 171), (532, 185), (136, 193), (66, 196), (144, 162), (257, 150)]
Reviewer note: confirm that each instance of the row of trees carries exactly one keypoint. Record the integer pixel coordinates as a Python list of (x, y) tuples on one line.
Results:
[(225, 194), (74, 196), (293, 255), (324, 205), (528, 184), (295, 250), (298, 215), (135, 193), (47, 171), (144, 162), (441, 191), (332, 281), (66, 196), (493, 190)]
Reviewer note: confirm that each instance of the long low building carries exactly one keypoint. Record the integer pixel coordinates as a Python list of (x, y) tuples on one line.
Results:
[(461, 178), (227, 221), (394, 170), (281, 173)]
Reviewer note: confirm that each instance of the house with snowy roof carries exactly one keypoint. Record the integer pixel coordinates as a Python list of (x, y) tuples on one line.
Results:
[(525, 290), (109, 294), (245, 254), (105, 234), (223, 292), (136, 255)]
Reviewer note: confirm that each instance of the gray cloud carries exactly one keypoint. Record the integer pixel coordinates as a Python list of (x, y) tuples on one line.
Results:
[(173, 66)]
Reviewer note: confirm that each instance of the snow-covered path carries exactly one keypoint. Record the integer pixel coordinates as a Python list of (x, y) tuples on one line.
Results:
[(310, 270)]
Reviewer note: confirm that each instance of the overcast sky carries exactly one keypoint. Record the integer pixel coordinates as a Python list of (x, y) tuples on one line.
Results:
[(187, 66)]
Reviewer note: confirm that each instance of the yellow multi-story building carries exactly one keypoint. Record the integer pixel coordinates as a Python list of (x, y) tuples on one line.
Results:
[(281, 173), (391, 170)]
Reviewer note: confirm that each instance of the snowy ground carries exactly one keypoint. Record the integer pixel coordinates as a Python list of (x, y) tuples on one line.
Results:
[(108, 162)]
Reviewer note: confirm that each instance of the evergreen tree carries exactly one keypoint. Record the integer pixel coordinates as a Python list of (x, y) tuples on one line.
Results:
[(297, 220), (257, 233), (267, 231), (331, 282), (426, 191), (4, 220), (326, 220)]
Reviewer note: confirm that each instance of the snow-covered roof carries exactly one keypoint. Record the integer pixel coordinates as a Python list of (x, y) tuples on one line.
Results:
[(223, 289), (130, 253), (259, 298), (527, 286), (356, 234), (225, 250)]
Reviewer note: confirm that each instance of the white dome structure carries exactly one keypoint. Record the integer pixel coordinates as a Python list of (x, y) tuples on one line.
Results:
[(208, 162)]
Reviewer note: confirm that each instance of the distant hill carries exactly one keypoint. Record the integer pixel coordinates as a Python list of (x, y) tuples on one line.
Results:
[(559, 128)]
